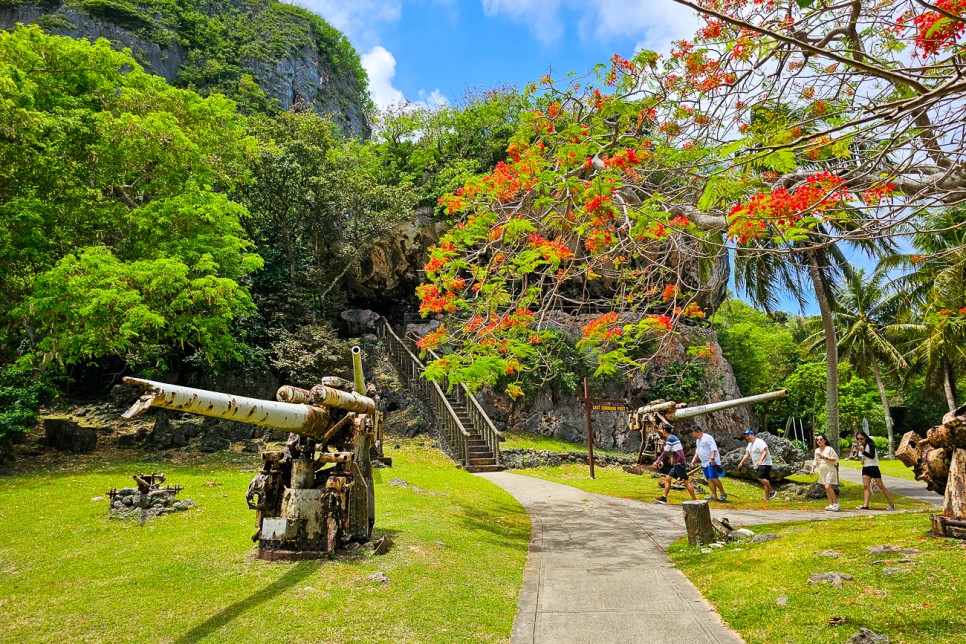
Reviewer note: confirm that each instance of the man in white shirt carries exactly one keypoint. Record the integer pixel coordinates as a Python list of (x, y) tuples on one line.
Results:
[(757, 449), (706, 449)]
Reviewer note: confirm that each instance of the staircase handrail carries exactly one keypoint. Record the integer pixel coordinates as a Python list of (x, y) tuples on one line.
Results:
[(481, 421), (443, 410)]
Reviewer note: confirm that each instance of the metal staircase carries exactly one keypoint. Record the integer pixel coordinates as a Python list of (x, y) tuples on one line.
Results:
[(458, 415)]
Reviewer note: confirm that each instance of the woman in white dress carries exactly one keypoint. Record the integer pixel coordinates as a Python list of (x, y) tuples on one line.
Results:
[(825, 462)]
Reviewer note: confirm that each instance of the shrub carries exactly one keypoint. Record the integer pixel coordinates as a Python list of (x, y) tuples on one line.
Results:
[(22, 391)]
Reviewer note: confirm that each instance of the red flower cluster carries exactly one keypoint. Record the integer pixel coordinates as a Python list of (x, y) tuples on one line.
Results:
[(781, 209), (935, 31), (670, 292), (628, 157), (433, 339), (598, 202), (432, 301), (661, 321), (873, 196), (600, 329), (552, 251)]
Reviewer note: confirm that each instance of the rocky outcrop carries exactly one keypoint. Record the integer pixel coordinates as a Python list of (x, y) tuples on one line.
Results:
[(391, 271), (518, 459), (296, 58), (552, 413), (787, 459), (68, 436)]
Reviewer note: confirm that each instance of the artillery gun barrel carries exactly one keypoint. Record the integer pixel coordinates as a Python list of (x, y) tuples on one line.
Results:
[(701, 410), (308, 420), (358, 378)]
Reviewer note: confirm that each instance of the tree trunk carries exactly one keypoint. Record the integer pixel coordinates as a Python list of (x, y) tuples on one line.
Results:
[(831, 353), (949, 386), (885, 402), (697, 519)]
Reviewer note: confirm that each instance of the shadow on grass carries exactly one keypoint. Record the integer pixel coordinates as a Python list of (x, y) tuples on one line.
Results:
[(299, 572), (487, 520)]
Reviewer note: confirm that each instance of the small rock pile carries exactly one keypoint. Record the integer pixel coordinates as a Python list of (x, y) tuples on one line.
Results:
[(129, 503)]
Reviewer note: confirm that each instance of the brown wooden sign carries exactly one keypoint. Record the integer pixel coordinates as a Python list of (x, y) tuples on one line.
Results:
[(597, 404)]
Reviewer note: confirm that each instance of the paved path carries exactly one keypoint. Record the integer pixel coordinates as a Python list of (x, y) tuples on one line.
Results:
[(597, 572), (913, 489)]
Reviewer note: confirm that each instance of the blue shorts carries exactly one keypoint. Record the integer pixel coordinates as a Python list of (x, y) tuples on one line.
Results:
[(711, 473)]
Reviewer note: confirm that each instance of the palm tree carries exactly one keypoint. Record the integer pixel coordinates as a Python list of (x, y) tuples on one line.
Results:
[(866, 315), (762, 276), (935, 296)]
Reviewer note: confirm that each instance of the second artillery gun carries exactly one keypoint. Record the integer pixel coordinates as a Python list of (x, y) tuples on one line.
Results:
[(317, 493), (649, 418)]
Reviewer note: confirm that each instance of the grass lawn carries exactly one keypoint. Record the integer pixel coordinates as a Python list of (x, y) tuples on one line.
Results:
[(613, 481), (922, 605), (71, 574), (889, 468), (526, 440)]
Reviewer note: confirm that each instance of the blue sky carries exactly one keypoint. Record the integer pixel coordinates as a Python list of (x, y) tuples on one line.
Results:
[(434, 50)]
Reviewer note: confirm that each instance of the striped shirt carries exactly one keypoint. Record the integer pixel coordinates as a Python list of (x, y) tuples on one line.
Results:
[(672, 446)]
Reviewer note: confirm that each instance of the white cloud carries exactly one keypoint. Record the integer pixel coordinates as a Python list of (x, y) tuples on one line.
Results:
[(380, 65), (653, 22), (541, 16), (359, 20)]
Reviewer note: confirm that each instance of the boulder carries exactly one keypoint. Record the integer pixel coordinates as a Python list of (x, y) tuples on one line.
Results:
[(786, 459), (865, 636), (66, 435)]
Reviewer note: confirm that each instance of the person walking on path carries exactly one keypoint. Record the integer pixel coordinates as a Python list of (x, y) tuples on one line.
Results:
[(825, 461), (870, 471), (706, 449), (673, 446), (757, 449)]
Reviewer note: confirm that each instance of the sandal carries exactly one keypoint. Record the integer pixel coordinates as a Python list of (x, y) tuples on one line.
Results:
[(862, 507)]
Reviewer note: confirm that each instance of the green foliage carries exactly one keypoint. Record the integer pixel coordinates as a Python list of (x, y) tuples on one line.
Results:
[(858, 398), (115, 238), (761, 351), (318, 205), (22, 391), (438, 149), (225, 41), (682, 381), (309, 354)]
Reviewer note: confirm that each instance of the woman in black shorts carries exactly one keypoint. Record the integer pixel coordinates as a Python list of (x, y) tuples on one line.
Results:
[(870, 471)]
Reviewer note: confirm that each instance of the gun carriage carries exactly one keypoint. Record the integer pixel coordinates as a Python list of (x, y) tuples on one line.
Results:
[(649, 418), (317, 493)]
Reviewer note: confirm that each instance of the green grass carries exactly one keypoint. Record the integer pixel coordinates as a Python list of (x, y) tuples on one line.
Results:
[(613, 481), (71, 574), (526, 440), (923, 606), (889, 468)]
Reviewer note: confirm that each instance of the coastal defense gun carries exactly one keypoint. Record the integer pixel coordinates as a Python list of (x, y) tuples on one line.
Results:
[(649, 418), (317, 493), (940, 461)]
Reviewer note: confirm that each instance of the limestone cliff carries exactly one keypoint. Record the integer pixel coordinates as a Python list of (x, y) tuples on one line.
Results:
[(265, 54)]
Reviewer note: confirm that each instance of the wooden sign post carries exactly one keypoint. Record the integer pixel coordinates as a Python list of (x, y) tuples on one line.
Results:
[(597, 404)]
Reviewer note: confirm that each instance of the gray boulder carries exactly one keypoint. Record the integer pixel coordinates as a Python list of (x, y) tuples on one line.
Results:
[(67, 436), (786, 459)]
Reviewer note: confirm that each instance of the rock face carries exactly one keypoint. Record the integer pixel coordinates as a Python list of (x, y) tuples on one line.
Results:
[(787, 459), (68, 436), (391, 271), (293, 55), (551, 413)]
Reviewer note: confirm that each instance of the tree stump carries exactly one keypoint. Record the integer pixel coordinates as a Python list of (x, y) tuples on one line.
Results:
[(697, 519)]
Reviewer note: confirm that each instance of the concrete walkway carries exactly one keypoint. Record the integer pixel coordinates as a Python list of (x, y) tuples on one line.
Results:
[(913, 489), (597, 572)]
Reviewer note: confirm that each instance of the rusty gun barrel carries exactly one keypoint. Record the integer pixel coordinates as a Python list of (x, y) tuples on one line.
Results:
[(701, 410), (357, 376), (310, 420)]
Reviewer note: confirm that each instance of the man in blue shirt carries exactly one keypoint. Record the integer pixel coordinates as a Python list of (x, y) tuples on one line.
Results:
[(673, 446)]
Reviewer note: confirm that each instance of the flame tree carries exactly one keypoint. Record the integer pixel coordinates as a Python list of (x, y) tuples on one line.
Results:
[(781, 130)]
